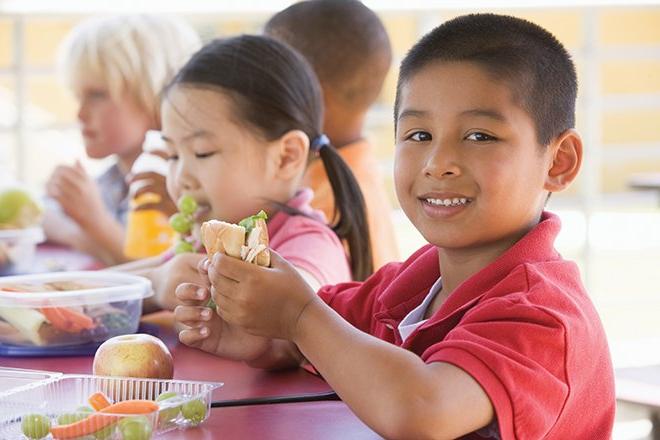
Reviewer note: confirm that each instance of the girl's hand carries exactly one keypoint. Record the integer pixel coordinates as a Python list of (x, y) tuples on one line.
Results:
[(208, 332), (182, 268), (264, 301)]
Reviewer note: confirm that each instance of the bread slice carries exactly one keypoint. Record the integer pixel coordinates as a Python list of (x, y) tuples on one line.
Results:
[(232, 240), (219, 236)]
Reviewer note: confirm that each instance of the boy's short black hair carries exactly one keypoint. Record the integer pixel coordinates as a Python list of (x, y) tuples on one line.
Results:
[(533, 63), (344, 41)]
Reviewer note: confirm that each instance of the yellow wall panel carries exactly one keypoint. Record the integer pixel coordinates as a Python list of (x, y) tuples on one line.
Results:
[(566, 25), (632, 26), (402, 29), (42, 39), (631, 126), (6, 43), (631, 76), (52, 102), (615, 175)]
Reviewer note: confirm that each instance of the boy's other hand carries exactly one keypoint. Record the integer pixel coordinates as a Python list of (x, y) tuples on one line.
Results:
[(264, 301), (77, 194), (153, 183), (208, 332), (182, 268)]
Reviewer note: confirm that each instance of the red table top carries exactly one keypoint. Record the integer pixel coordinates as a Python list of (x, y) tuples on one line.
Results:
[(317, 420)]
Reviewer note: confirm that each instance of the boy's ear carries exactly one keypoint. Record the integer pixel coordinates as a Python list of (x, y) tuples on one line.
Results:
[(566, 161), (292, 154)]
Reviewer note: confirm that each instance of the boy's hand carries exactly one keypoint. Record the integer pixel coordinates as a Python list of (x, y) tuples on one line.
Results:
[(182, 268), (264, 301), (208, 332), (77, 194)]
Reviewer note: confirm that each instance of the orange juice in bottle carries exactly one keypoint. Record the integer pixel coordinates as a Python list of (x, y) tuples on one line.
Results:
[(148, 232)]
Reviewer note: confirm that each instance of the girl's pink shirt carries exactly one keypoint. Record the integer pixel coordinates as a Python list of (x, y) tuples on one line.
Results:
[(308, 242)]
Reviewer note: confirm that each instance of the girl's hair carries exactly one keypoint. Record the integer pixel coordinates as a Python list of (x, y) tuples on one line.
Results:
[(273, 91), (134, 56)]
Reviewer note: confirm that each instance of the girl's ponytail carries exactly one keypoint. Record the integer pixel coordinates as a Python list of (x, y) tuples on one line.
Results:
[(350, 218)]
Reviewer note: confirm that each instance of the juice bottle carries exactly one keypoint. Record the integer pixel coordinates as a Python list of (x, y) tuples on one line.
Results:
[(148, 232)]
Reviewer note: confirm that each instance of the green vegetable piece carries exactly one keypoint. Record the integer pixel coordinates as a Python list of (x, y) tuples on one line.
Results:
[(249, 222), (181, 223), (167, 415), (182, 247), (187, 205), (35, 426), (211, 304), (135, 428), (194, 411)]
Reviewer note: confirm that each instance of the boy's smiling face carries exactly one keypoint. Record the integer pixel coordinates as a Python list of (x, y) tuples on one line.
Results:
[(469, 172)]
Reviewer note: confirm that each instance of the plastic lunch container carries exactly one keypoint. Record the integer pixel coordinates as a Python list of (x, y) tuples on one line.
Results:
[(17, 247), (67, 394), (69, 308)]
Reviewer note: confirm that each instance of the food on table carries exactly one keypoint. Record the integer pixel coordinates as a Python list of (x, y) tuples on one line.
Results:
[(135, 428), (99, 420), (138, 355), (60, 325), (18, 210), (194, 411), (98, 401), (167, 414), (35, 426)]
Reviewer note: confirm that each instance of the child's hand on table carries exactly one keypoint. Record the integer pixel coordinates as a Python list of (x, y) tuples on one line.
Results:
[(208, 332), (263, 301)]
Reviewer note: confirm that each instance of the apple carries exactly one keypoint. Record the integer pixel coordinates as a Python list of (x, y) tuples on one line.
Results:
[(139, 355)]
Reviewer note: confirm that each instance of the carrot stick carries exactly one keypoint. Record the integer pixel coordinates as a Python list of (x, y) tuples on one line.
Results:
[(67, 320), (101, 419), (98, 401)]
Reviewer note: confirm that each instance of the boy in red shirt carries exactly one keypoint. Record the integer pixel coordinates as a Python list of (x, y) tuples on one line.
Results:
[(485, 333)]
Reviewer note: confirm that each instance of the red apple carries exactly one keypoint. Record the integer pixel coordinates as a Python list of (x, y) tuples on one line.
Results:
[(138, 355)]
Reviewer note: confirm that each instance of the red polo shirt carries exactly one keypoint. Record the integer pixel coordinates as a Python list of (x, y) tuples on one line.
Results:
[(523, 327)]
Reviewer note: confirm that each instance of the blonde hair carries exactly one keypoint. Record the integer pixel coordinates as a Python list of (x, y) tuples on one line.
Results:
[(134, 56)]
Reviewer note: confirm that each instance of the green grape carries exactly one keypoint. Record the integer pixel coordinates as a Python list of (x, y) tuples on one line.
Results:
[(168, 414), (194, 411), (68, 418), (35, 426), (182, 247), (135, 428), (105, 433), (187, 205), (84, 409), (181, 223)]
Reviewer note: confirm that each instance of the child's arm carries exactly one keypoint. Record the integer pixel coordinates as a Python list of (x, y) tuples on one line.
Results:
[(389, 388)]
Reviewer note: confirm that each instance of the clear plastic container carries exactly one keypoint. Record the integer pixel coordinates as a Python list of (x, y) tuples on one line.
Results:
[(67, 393), (17, 247), (11, 378), (70, 308)]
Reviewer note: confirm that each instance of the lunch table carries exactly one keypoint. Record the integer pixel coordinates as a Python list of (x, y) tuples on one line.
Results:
[(306, 420)]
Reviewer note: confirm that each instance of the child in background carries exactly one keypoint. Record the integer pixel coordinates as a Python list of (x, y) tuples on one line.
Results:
[(484, 333), (241, 121), (348, 48), (116, 67)]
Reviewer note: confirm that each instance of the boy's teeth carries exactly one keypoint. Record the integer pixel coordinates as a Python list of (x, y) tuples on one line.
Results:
[(448, 202)]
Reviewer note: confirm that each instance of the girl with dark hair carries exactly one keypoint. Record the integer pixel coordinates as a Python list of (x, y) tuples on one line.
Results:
[(241, 121)]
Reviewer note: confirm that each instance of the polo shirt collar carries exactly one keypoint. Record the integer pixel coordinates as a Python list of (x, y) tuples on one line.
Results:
[(414, 281)]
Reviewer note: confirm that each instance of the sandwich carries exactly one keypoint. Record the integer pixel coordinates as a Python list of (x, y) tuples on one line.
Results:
[(247, 240)]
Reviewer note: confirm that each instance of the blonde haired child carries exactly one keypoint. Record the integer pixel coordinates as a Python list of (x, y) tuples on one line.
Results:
[(116, 67)]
